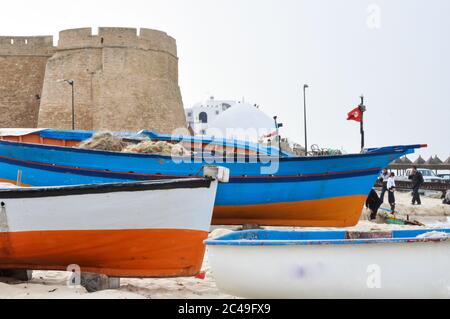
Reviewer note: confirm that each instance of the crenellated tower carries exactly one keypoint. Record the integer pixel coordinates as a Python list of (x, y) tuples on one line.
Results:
[(123, 81)]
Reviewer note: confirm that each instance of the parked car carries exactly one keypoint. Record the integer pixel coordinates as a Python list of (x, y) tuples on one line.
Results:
[(446, 177), (429, 176)]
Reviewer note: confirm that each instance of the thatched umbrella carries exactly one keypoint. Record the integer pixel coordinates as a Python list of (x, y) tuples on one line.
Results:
[(447, 161), (437, 160), (430, 161), (406, 160), (419, 160)]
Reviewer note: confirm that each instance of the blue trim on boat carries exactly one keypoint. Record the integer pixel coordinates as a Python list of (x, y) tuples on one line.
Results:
[(407, 149), (67, 135), (143, 176), (90, 172), (305, 238), (79, 135), (304, 178)]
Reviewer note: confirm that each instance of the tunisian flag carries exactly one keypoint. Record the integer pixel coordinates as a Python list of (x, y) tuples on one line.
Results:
[(355, 115)]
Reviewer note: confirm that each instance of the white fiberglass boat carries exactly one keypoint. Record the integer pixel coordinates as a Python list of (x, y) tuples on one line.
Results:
[(332, 264)]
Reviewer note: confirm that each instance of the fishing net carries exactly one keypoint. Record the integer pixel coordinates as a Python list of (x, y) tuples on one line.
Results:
[(161, 148), (109, 142), (104, 141)]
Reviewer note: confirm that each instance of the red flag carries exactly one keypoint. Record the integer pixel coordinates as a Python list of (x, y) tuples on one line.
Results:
[(355, 115)]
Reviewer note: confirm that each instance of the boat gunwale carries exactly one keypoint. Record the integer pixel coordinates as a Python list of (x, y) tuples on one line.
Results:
[(399, 236), (104, 188), (235, 179), (403, 149)]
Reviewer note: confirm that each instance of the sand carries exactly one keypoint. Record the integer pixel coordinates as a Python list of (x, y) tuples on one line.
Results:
[(52, 284)]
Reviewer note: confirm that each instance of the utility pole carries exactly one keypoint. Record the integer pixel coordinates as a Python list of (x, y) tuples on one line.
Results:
[(305, 116)]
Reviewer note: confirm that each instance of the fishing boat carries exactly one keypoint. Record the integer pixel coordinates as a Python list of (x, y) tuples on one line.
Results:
[(137, 229), (263, 189), (332, 264)]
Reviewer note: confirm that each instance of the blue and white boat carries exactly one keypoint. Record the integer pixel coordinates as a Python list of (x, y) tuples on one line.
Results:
[(332, 264)]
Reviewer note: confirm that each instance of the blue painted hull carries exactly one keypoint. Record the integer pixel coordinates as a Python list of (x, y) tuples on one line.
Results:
[(323, 191)]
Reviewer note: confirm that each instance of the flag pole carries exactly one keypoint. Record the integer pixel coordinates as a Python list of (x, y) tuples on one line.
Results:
[(278, 134), (362, 108)]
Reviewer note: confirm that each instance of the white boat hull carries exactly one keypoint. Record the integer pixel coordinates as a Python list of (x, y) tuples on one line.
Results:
[(383, 270), (136, 231)]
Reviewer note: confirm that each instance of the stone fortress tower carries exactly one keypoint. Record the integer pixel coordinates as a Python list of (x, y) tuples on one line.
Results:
[(22, 68), (122, 81)]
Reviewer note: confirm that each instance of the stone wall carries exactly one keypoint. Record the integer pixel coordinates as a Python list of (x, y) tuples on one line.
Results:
[(22, 68), (122, 80)]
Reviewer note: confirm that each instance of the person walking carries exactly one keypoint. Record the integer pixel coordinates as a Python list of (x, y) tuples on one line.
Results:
[(383, 179), (417, 181), (391, 190)]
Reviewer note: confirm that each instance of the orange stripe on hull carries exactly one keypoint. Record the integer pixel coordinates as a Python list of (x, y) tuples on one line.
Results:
[(37, 139), (330, 212), (117, 253), (8, 181)]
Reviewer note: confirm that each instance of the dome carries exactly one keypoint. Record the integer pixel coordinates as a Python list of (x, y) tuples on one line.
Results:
[(242, 121)]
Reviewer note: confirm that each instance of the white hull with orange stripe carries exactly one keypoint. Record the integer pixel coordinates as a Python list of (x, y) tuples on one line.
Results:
[(145, 229)]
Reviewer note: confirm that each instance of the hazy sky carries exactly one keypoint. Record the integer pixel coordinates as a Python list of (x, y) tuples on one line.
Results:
[(395, 52)]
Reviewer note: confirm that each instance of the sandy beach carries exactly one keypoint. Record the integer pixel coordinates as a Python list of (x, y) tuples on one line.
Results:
[(52, 284)]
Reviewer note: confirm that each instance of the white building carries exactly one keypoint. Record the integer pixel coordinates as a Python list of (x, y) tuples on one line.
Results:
[(203, 113), (229, 119)]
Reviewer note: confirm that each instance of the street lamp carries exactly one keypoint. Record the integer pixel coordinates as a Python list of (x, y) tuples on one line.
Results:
[(71, 83), (304, 115)]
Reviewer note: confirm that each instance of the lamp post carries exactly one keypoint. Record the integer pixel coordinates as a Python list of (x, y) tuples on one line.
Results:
[(304, 116), (71, 83)]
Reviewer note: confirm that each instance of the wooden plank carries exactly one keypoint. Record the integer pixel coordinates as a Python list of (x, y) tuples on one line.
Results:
[(15, 275)]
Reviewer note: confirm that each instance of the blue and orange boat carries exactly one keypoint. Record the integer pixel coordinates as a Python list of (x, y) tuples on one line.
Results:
[(264, 189)]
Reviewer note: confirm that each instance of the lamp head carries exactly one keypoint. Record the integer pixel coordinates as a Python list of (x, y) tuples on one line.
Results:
[(71, 82)]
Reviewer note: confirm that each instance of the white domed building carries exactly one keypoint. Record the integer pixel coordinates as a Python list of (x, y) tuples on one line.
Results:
[(229, 119), (242, 121)]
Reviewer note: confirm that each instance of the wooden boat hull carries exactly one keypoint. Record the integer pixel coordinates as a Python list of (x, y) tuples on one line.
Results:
[(149, 229), (313, 265), (264, 190)]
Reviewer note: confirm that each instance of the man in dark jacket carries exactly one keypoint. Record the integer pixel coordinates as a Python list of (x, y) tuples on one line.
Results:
[(417, 181), (383, 179)]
